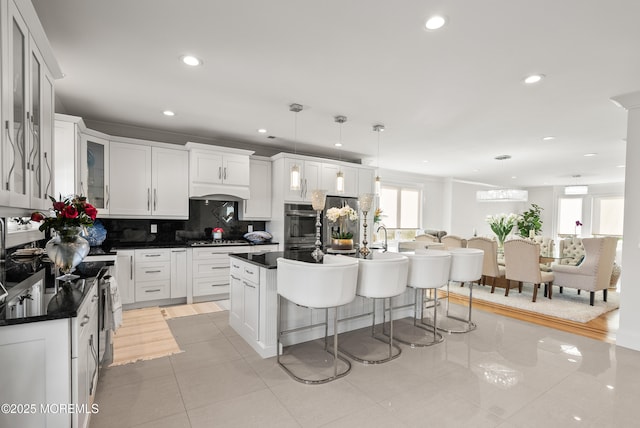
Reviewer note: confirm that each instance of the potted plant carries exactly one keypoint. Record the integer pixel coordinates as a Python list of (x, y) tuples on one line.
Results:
[(342, 239), (529, 222)]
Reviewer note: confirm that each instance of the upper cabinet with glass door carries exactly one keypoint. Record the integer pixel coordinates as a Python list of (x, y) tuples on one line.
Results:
[(94, 171), (28, 72)]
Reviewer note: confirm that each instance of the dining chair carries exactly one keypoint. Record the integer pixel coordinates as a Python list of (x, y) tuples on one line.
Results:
[(594, 272), (325, 285), (522, 264), (453, 241), (491, 270)]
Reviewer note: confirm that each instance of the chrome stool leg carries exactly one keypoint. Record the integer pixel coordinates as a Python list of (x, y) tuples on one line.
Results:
[(470, 325), (422, 325)]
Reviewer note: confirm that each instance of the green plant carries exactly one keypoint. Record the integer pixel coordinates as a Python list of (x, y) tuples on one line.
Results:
[(530, 221)]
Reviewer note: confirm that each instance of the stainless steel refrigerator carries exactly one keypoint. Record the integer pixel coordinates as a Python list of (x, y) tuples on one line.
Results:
[(351, 226)]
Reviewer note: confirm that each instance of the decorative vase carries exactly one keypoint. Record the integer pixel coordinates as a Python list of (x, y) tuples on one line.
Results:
[(342, 244), (66, 250)]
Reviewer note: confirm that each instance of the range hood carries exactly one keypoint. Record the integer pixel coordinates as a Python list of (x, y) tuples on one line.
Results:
[(218, 192)]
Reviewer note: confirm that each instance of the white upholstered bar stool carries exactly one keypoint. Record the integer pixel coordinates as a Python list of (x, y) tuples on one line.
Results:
[(466, 266), (380, 276), (325, 285), (428, 269)]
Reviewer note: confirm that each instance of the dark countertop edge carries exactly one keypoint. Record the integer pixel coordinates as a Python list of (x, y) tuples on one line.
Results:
[(248, 257), (145, 245), (48, 317)]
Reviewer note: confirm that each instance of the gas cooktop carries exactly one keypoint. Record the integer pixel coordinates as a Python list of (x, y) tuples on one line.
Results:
[(218, 243)]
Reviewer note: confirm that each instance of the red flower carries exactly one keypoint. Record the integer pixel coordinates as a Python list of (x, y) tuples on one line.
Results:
[(91, 211), (70, 212), (37, 216), (59, 206)]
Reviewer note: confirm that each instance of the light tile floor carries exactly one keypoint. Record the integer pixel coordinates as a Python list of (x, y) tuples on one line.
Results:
[(506, 373)]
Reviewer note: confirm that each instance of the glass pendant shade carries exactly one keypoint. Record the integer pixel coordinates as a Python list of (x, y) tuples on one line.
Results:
[(340, 182), (294, 178), (377, 185)]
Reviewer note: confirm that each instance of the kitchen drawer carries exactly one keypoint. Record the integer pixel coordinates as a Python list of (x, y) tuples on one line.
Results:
[(209, 252), (237, 267), (251, 273), (153, 255), (210, 286), (153, 271), (153, 290), (208, 268)]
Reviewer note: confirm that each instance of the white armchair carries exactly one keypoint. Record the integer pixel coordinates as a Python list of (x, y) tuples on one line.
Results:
[(594, 273)]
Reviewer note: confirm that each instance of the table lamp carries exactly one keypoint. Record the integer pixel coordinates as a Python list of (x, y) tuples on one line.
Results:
[(365, 200), (318, 198)]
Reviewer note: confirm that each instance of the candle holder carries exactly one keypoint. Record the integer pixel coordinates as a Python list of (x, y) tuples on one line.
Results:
[(318, 198), (365, 200)]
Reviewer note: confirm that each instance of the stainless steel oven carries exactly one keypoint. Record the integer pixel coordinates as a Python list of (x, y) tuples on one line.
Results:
[(299, 227)]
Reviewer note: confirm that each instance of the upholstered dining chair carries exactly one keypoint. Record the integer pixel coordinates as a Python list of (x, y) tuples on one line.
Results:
[(522, 264), (325, 285), (427, 237), (547, 246), (453, 241), (491, 270), (594, 272)]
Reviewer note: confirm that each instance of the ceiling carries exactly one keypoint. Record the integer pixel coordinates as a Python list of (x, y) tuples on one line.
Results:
[(451, 100)]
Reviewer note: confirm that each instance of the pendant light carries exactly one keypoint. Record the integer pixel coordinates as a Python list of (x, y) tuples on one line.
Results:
[(378, 182), (294, 173), (340, 174)]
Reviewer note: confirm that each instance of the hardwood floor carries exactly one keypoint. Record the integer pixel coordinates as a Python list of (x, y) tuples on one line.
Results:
[(603, 328)]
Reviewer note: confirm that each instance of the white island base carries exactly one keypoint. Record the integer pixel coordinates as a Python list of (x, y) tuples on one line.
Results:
[(253, 313)]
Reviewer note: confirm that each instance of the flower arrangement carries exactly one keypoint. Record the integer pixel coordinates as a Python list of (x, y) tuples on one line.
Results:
[(502, 224), (341, 215), (217, 232), (69, 212), (377, 215)]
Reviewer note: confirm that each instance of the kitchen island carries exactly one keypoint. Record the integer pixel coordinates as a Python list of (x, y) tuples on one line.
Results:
[(253, 296)]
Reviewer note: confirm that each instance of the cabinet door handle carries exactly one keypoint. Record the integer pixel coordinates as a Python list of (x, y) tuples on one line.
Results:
[(152, 271), (148, 198), (94, 298), (219, 173), (248, 285), (178, 251), (225, 172), (108, 197), (85, 321), (155, 290), (131, 267), (155, 199), (235, 277), (49, 175)]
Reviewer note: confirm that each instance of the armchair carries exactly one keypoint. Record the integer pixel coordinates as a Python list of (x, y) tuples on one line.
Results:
[(594, 273), (547, 246), (522, 264)]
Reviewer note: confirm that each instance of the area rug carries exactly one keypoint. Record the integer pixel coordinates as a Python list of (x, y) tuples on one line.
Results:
[(143, 335), (568, 305), (178, 311)]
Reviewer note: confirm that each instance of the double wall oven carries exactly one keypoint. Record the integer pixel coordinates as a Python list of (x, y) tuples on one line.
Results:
[(299, 227)]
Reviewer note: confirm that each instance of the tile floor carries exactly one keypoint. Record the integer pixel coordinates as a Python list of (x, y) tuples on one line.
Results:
[(506, 373)]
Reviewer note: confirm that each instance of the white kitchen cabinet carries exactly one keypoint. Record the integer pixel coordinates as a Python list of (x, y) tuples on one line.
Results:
[(218, 170), (148, 181), (66, 155), (178, 272), (153, 274), (366, 180), (94, 171), (208, 277), (125, 275), (258, 206), (310, 179), (329, 175)]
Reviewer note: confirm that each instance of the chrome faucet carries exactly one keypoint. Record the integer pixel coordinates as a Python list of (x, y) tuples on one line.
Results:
[(385, 245)]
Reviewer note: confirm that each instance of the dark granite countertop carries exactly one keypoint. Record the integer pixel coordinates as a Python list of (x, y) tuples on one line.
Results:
[(170, 244), (268, 260)]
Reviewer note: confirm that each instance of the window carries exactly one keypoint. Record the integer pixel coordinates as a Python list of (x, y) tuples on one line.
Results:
[(569, 211), (401, 206), (608, 216)]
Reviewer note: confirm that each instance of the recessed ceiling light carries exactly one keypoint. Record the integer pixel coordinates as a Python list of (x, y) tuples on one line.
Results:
[(168, 113), (620, 166), (534, 78), (610, 387), (548, 138), (514, 177), (262, 131), (588, 155), (435, 22), (475, 170), (191, 60), (338, 144), (425, 161)]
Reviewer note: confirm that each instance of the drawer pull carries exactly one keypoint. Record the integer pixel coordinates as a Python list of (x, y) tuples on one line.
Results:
[(152, 271), (152, 255), (250, 272), (219, 267), (235, 266), (235, 277), (85, 321), (248, 285), (155, 290)]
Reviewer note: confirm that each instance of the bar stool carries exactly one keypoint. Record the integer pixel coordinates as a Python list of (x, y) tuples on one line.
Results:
[(466, 266), (382, 276), (325, 285), (428, 269)]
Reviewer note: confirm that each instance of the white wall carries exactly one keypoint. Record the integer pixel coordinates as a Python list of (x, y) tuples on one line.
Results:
[(629, 332)]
